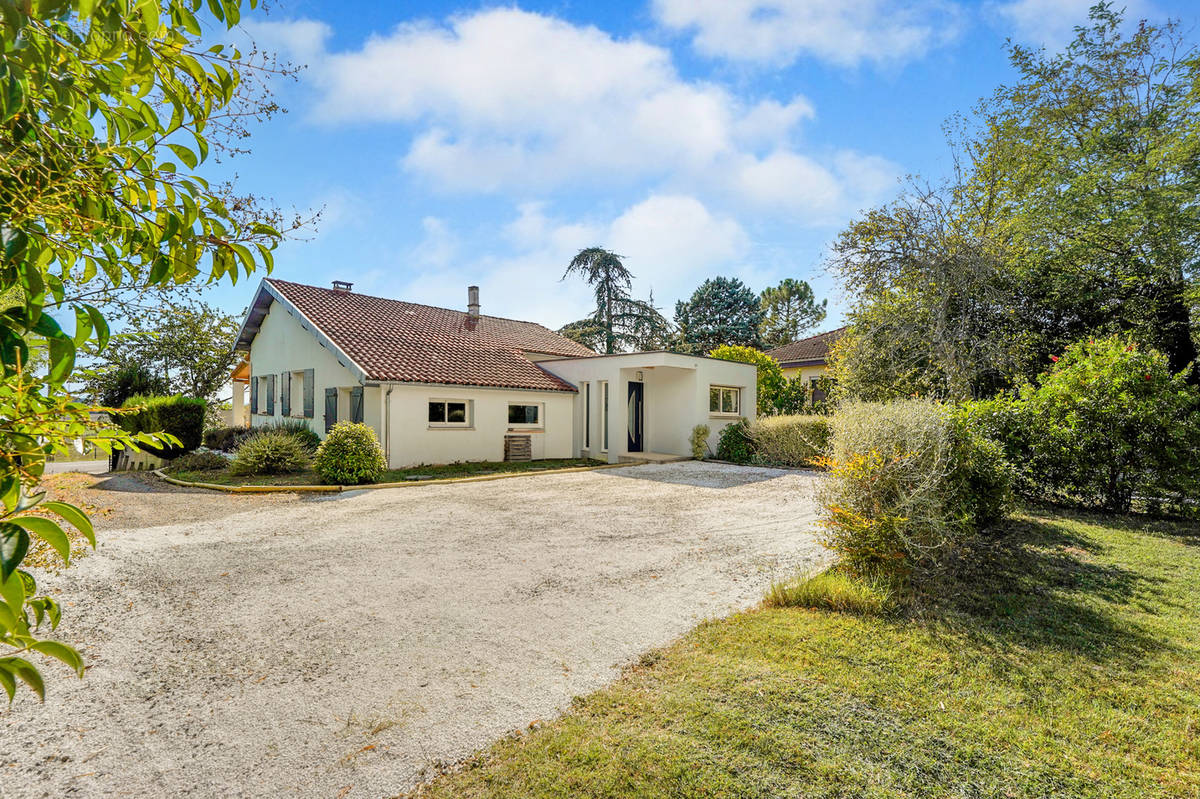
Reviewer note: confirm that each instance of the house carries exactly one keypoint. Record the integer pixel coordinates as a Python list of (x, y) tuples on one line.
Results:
[(807, 359), (440, 385)]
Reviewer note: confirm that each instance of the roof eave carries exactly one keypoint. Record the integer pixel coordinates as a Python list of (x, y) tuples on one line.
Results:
[(266, 294)]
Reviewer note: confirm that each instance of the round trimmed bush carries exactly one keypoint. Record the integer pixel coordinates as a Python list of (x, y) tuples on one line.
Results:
[(350, 455), (270, 452)]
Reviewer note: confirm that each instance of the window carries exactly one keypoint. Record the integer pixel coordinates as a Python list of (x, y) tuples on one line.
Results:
[(604, 416), (448, 413), (524, 414), (297, 395), (265, 404), (587, 415), (724, 400)]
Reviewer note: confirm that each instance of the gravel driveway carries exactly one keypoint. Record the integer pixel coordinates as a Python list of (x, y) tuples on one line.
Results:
[(349, 646)]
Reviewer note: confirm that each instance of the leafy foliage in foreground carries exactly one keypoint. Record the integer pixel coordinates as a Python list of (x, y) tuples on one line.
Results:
[(1064, 661), (105, 108)]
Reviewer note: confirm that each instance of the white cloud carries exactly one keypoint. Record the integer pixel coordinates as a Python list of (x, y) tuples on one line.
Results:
[(670, 242), (669, 239), (505, 100), (1052, 23), (844, 32), (301, 39)]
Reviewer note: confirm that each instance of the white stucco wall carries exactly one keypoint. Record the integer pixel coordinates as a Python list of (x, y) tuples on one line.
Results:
[(675, 398), (414, 441), (283, 345)]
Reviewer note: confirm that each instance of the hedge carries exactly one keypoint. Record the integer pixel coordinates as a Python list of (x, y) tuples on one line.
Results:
[(182, 417)]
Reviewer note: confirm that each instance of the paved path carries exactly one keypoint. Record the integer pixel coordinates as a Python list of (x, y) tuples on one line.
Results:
[(87, 467), (355, 643)]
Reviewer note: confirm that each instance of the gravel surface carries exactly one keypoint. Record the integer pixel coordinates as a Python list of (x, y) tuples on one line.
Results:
[(350, 646)]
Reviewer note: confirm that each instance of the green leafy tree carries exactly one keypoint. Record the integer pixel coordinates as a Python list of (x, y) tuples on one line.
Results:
[(1072, 211), (1096, 155), (620, 322), (187, 347), (770, 376), (106, 108), (721, 311), (789, 309)]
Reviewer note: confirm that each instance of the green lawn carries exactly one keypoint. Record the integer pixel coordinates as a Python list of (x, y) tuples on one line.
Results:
[(223, 477), (1064, 663)]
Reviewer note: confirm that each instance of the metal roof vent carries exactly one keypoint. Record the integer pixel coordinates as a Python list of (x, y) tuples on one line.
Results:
[(342, 285)]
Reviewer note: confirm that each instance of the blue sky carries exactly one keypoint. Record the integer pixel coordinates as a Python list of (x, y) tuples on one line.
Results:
[(451, 144)]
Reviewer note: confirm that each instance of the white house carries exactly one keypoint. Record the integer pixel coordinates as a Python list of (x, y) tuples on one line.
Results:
[(439, 385)]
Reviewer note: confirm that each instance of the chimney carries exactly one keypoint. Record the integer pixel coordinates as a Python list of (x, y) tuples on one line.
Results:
[(473, 302), (342, 285)]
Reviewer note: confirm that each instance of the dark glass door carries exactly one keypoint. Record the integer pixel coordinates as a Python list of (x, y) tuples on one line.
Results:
[(635, 417)]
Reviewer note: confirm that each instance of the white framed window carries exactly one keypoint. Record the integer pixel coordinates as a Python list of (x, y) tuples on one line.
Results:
[(724, 401), (604, 416), (523, 415), (449, 413)]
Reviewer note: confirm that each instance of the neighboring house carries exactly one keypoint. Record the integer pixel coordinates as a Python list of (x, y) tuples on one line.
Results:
[(807, 359), (439, 385)]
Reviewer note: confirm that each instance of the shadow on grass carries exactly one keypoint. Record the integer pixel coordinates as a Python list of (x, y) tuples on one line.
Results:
[(1041, 585)]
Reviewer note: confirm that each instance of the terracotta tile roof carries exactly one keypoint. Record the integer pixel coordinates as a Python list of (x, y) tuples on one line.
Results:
[(405, 342), (812, 349)]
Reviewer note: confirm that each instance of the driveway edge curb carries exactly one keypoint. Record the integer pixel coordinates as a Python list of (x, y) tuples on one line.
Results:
[(323, 489)]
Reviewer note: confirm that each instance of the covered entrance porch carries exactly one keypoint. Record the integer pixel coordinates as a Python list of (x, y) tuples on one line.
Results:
[(644, 405)]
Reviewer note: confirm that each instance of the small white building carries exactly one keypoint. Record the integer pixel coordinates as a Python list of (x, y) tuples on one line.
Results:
[(441, 386)]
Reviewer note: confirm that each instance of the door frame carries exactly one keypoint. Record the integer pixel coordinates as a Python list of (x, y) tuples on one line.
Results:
[(635, 434)]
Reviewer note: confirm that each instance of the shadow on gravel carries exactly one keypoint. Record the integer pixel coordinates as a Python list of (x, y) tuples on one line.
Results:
[(699, 475)]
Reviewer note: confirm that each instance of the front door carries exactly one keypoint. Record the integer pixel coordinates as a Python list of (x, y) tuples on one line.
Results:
[(635, 417)]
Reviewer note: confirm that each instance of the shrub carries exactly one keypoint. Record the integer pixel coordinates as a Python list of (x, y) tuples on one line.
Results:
[(910, 483), (226, 439), (182, 417), (770, 376), (350, 455), (270, 452), (792, 397), (1107, 423), (735, 443), (699, 441), (298, 428), (202, 461), (790, 440), (834, 589)]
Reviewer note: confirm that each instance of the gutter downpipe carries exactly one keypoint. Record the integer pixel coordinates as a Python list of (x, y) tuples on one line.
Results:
[(387, 425)]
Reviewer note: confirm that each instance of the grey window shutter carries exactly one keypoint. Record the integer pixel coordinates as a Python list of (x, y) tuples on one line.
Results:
[(308, 393), (253, 394), (271, 395), (285, 393), (331, 399), (356, 404)]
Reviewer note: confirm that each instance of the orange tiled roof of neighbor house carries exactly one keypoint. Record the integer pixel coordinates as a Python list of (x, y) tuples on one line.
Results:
[(807, 351), (405, 342)]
